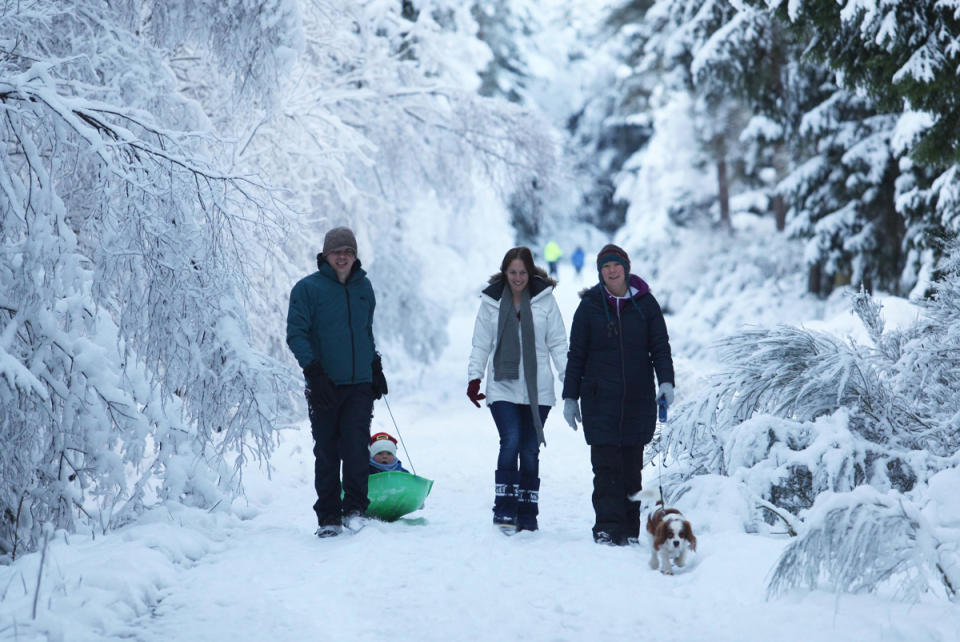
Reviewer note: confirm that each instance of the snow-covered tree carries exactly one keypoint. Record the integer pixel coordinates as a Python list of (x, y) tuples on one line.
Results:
[(382, 123), (899, 61), (501, 24), (842, 196), (899, 53), (127, 372), (168, 171), (794, 125)]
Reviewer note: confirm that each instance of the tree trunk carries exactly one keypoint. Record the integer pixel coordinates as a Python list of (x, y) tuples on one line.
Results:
[(723, 192), (780, 211), (814, 279)]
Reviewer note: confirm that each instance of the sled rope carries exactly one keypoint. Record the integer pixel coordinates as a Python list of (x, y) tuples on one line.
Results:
[(406, 453)]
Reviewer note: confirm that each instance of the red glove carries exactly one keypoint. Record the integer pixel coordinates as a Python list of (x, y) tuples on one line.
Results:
[(473, 391)]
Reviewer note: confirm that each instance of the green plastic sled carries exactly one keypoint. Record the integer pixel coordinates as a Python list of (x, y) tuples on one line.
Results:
[(394, 494)]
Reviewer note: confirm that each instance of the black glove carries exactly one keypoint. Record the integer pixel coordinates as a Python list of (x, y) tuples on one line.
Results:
[(379, 381), (321, 391)]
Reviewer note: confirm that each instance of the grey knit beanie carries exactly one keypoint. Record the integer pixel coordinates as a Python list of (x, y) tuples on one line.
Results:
[(339, 238)]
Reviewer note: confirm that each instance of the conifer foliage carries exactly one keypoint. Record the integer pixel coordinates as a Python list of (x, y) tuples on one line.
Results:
[(839, 119)]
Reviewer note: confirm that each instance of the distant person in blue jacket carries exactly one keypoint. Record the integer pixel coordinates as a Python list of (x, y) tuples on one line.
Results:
[(330, 332), (577, 259), (383, 454)]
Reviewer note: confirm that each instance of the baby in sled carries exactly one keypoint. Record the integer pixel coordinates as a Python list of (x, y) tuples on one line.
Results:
[(383, 454), (393, 491)]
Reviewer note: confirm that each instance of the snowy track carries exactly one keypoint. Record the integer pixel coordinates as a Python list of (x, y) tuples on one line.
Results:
[(445, 573)]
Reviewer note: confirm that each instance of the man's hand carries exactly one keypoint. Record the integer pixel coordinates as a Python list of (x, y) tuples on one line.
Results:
[(321, 391), (379, 381), (571, 412)]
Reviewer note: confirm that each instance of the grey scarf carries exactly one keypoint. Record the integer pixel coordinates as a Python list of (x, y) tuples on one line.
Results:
[(506, 358)]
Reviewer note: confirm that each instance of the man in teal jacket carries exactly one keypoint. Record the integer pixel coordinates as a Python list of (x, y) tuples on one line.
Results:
[(330, 332)]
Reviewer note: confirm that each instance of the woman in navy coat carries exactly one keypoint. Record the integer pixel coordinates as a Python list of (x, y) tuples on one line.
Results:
[(618, 341)]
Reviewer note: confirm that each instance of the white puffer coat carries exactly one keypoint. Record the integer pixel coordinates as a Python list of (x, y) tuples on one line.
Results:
[(549, 334)]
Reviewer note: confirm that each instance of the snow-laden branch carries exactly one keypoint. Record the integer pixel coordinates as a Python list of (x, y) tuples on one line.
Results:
[(866, 540)]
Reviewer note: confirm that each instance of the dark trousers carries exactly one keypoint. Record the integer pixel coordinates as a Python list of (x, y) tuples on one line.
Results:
[(518, 437), (616, 475), (342, 434)]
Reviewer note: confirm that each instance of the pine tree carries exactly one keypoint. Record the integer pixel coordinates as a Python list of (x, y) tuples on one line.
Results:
[(899, 52), (900, 59)]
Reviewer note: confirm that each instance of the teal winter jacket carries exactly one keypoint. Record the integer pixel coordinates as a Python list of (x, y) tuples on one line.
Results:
[(333, 322)]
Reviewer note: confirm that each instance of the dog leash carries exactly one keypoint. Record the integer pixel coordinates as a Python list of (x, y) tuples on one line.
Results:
[(405, 452), (662, 417)]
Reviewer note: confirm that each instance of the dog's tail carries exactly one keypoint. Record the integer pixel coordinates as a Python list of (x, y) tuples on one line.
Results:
[(646, 496)]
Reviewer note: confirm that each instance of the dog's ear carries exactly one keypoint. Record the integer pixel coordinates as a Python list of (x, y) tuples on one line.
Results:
[(654, 520), (661, 535), (689, 536)]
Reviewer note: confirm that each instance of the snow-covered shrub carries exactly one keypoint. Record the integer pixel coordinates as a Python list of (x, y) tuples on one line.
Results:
[(866, 540), (845, 436)]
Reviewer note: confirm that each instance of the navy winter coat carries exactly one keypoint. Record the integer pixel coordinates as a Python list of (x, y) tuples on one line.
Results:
[(333, 322), (611, 363)]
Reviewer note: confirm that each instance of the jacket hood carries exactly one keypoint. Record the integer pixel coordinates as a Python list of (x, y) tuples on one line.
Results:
[(537, 286), (325, 269)]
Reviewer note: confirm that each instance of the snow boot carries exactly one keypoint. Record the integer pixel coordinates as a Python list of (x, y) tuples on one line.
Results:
[(527, 503), (505, 500)]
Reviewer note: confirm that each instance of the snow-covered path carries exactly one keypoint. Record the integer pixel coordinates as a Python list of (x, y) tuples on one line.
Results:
[(442, 574), (445, 573)]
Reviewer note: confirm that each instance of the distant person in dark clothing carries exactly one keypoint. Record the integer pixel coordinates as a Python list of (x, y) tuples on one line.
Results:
[(330, 332), (617, 341)]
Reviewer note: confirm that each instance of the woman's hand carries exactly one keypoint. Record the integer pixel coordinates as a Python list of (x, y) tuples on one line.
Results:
[(571, 412), (473, 391)]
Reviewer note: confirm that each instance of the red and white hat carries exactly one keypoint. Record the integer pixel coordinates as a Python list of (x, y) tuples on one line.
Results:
[(381, 442)]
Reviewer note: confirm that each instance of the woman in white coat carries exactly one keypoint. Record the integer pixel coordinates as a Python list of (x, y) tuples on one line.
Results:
[(518, 332)]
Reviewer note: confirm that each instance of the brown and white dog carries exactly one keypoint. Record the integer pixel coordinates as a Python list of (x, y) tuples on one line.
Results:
[(672, 538)]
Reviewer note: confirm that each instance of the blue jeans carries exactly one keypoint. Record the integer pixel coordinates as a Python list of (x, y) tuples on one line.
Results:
[(518, 437)]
